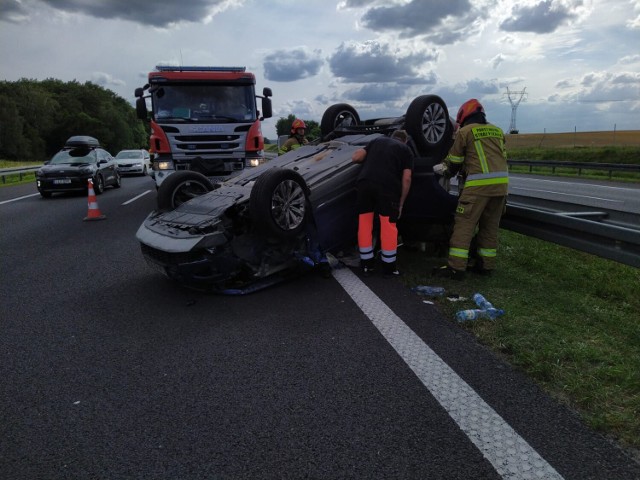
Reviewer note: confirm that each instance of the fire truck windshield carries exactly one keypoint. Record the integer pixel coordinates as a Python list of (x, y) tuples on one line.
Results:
[(204, 103)]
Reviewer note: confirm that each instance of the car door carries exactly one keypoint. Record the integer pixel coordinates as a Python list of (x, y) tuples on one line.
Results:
[(107, 165)]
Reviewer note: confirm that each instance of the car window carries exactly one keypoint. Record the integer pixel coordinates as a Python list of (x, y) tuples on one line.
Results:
[(129, 154), (74, 156)]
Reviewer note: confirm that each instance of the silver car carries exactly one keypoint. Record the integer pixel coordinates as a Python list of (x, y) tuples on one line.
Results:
[(133, 162)]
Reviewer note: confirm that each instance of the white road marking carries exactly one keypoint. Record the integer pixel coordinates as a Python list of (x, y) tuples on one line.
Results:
[(136, 198), (511, 456), (19, 198), (573, 184), (564, 194)]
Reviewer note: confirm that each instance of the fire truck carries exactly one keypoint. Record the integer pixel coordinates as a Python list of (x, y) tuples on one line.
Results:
[(205, 121)]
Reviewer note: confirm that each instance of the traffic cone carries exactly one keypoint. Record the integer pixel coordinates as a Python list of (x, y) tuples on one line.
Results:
[(94, 211)]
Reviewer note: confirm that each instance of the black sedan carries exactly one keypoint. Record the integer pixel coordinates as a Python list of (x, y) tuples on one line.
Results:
[(70, 169), (280, 218)]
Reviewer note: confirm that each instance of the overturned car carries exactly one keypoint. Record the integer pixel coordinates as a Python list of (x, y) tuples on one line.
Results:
[(283, 217)]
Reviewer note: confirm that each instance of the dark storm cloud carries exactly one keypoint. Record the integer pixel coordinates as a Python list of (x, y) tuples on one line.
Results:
[(415, 18), (13, 11), (376, 93), (159, 13), (544, 17), (373, 62), (291, 65)]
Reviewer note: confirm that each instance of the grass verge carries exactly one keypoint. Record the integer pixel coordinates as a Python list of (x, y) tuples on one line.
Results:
[(571, 322), (17, 178)]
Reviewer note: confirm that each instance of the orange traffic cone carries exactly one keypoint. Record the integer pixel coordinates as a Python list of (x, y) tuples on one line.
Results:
[(94, 211)]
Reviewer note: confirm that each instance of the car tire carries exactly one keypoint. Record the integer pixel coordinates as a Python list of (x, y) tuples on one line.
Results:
[(180, 187), (279, 203), (118, 181), (98, 185), (336, 115), (427, 121)]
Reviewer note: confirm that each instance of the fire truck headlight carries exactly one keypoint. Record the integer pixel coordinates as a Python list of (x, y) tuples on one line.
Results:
[(164, 165)]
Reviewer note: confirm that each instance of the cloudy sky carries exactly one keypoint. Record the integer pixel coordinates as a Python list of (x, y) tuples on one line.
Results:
[(577, 60)]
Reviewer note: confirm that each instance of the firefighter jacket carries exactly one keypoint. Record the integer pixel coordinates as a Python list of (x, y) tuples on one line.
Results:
[(292, 143), (478, 154)]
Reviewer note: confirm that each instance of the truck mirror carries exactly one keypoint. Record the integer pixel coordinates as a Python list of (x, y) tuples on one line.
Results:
[(266, 91), (267, 111), (141, 108), (138, 93)]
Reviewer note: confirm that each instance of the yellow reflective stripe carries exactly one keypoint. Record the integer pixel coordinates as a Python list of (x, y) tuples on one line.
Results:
[(458, 252), (486, 181), (455, 159), (481, 156), (487, 252)]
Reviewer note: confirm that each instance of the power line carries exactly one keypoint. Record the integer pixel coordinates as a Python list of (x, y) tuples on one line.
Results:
[(514, 106)]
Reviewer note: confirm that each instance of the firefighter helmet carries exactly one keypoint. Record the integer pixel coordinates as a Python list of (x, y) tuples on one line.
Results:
[(297, 123), (467, 109)]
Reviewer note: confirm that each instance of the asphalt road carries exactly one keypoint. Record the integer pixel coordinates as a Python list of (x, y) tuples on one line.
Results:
[(110, 371)]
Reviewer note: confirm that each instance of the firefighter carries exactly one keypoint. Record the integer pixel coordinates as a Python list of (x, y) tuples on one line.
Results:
[(479, 156), (382, 187), (296, 138)]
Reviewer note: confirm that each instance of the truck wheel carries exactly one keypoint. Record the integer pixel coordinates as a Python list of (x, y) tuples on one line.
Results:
[(180, 187), (428, 123), (340, 114), (278, 202)]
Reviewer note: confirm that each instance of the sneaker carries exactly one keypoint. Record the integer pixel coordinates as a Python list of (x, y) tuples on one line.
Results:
[(390, 270), (448, 272), (392, 273), (367, 267)]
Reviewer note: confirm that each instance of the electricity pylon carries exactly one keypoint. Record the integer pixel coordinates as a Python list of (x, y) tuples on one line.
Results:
[(514, 106)]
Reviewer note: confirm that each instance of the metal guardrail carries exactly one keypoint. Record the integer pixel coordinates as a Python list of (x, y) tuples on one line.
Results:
[(577, 231), (20, 171), (553, 164)]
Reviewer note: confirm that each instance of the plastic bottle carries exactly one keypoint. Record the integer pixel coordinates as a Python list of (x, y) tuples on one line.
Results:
[(490, 313), (428, 291), (482, 302)]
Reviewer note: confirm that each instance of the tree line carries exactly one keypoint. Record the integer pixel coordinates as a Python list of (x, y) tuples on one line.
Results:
[(37, 117)]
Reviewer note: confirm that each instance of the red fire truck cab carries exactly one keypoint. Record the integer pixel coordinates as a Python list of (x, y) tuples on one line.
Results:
[(203, 119)]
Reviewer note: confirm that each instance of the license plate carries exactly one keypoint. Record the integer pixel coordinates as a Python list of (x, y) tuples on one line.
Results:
[(61, 181)]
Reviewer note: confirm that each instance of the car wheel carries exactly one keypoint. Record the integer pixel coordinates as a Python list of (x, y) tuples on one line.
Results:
[(118, 181), (278, 202), (98, 185), (340, 114), (180, 187), (45, 194), (428, 123)]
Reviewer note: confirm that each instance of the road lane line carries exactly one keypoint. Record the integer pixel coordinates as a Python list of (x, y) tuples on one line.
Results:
[(19, 198), (511, 456), (564, 194), (136, 198)]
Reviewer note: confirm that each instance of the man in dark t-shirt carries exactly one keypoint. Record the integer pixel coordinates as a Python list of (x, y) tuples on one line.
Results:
[(383, 184)]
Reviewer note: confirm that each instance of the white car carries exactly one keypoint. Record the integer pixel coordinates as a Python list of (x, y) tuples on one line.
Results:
[(134, 162)]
